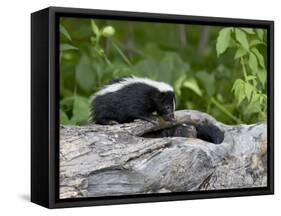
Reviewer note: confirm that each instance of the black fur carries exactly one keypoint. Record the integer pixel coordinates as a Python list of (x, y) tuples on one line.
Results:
[(181, 130), (134, 101), (209, 133), (139, 101)]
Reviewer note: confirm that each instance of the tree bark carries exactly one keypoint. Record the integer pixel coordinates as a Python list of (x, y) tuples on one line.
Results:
[(97, 160)]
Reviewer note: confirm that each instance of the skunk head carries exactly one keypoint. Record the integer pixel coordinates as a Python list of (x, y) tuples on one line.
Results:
[(165, 103)]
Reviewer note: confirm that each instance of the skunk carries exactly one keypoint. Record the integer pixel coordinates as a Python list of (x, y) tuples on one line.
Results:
[(125, 99), (208, 132)]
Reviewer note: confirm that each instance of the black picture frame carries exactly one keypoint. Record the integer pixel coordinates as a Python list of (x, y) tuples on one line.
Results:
[(45, 106)]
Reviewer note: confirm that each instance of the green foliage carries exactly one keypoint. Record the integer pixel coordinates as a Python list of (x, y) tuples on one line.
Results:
[(64, 32), (65, 47), (224, 39), (92, 52), (250, 89), (84, 76), (241, 38)]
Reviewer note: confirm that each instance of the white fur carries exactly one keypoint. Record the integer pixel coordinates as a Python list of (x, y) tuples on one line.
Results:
[(161, 86)]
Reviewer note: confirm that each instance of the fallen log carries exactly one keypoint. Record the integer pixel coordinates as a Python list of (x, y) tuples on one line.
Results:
[(108, 160)]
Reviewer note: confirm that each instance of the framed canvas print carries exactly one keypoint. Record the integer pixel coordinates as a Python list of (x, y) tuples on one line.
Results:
[(138, 107)]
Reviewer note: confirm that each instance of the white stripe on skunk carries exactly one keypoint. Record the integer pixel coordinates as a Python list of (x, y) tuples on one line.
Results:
[(161, 86)]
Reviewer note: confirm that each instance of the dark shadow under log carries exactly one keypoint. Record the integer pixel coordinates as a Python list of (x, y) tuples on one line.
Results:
[(98, 160)]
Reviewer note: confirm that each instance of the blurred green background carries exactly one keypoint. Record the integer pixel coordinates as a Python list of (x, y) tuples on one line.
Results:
[(218, 70)]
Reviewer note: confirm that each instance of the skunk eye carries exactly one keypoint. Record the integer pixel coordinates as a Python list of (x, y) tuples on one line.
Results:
[(168, 108)]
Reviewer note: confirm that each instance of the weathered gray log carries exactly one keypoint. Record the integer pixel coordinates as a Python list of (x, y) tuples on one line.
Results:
[(98, 160)]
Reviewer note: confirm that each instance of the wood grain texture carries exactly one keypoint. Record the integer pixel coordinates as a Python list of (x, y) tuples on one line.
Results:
[(97, 160)]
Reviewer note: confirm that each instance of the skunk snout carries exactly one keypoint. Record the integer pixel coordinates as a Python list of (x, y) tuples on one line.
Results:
[(169, 117)]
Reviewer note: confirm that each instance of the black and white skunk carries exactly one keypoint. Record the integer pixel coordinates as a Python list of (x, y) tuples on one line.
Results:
[(125, 99), (128, 98)]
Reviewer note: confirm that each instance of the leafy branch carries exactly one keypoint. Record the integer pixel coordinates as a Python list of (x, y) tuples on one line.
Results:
[(249, 91)]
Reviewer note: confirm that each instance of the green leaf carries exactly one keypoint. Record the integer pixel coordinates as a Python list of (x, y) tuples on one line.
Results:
[(248, 88), (240, 95), (65, 47), (260, 33), (67, 103), (144, 67), (223, 40), (85, 76), (259, 56), (193, 85), (63, 118), (255, 97), (240, 53), (241, 37), (237, 84), (253, 63), (65, 32), (252, 108), (208, 80), (178, 84), (124, 57), (80, 110), (248, 30), (238, 89), (250, 77), (166, 68), (95, 28), (171, 67), (263, 99), (256, 42), (262, 76)]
